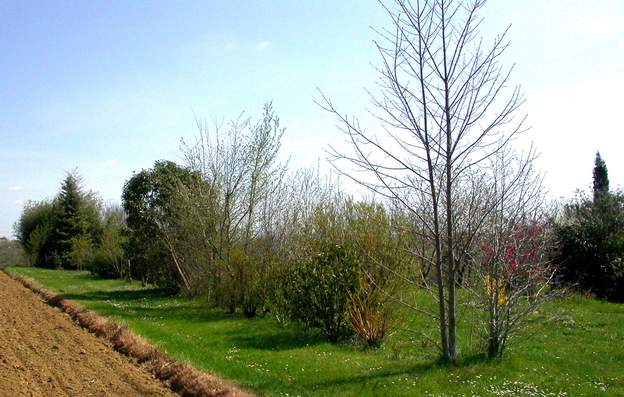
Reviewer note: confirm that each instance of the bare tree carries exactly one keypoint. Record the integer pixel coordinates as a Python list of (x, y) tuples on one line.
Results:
[(443, 108)]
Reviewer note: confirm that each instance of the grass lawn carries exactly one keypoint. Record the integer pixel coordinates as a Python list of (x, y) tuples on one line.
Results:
[(574, 347)]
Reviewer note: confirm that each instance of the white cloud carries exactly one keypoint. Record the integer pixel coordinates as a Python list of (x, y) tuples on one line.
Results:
[(111, 163), (263, 45), (19, 202), (15, 188)]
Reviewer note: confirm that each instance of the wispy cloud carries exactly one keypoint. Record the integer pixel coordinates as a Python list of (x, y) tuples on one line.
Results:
[(263, 45), (19, 202), (111, 163), (15, 188)]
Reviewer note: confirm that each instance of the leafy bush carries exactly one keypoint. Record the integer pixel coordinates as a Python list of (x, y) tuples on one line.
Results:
[(109, 259), (81, 252), (317, 291), (149, 200), (34, 230), (346, 262)]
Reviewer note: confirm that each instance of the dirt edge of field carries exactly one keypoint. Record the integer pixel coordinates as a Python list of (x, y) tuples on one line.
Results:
[(179, 377)]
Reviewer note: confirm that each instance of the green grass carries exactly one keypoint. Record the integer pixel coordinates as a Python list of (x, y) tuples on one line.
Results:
[(573, 347)]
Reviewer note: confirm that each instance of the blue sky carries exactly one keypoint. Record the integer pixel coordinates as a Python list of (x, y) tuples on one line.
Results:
[(109, 87)]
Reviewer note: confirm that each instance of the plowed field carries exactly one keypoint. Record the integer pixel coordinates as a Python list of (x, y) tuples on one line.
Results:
[(43, 353)]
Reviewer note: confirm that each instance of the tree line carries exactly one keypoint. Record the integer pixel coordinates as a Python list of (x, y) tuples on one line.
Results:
[(459, 215)]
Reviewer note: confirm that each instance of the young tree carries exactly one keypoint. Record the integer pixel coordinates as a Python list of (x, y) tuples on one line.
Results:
[(601, 177), (512, 272), (443, 109)]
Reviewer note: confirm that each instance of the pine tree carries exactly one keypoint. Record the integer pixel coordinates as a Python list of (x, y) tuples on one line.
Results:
[(601, 176)]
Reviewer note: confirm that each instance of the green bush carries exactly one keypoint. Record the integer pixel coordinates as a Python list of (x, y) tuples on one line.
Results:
[(347, 258), (590, 251), (317, 291), (35, 232), (109, 258), (80, 255)]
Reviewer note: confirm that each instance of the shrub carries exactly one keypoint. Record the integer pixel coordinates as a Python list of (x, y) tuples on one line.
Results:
[(317, 291), (347, 257), (109, 259), (80, 255), (368, 314), (34, 230), (590, 252)]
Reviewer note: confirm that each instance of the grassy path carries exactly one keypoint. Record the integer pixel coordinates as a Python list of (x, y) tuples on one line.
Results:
[(575, 348)]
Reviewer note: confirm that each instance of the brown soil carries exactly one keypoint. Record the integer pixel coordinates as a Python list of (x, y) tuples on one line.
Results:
[(43, 353)]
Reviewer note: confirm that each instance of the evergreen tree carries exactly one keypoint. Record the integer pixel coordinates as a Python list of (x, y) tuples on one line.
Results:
[(70, 223), (591, 239), (601, 176)]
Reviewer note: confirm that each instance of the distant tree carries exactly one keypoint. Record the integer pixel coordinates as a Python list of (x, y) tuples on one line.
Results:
[(35, 231), (11, 253), (150, 202), (601, 176), (109, 258), (69, 224), (77, 219)]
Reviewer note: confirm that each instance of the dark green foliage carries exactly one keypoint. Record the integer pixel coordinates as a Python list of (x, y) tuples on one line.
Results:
[(35, 232), (601, 176), (591, 245), (69, 223), (77, 225), (61, 232), (149, 201)]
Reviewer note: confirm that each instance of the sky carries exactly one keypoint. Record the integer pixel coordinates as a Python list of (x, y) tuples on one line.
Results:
[(109, 87)]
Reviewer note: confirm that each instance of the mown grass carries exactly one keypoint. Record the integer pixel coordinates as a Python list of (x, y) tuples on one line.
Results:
[(574, 347)]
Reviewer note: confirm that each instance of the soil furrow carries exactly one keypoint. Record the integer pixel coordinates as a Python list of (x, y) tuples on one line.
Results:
[(43, 353)]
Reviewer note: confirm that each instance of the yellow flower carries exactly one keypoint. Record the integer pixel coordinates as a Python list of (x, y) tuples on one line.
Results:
[(490, 289)]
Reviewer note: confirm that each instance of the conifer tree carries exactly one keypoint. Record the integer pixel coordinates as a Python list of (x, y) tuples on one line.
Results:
[(601, 176), (70, 223)]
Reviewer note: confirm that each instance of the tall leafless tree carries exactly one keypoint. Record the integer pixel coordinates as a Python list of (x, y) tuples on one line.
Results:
[(443, 108)]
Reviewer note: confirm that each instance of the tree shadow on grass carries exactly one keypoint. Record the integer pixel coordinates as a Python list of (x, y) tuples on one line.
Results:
[(121, 295), (374, 381), (153, 304), (277, 338)]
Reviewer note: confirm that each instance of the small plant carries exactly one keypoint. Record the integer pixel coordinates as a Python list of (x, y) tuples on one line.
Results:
[(368, 315)]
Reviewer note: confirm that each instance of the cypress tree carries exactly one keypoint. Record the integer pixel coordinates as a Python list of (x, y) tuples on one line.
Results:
[(601, 176)]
